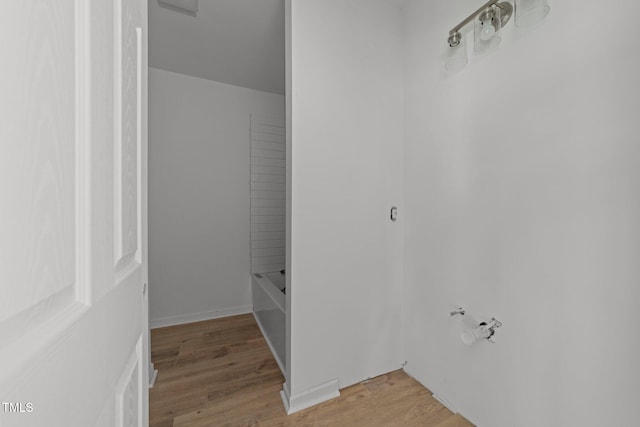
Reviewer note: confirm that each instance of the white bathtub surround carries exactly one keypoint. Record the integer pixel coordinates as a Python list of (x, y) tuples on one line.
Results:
[(269, 309), (278, 278), (199, 197), (268, 175)]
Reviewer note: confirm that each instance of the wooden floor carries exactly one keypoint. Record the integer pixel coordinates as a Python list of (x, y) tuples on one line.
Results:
[(221, 373)]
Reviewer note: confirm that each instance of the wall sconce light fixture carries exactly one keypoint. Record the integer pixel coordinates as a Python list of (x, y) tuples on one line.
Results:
[(488, 20), (488, 23), (189, 7), (530, 12)]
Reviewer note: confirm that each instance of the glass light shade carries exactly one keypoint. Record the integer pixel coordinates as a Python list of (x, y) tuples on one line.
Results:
[(456, 57), (487, 30), (530, 12), (486, 26), (184, 5)]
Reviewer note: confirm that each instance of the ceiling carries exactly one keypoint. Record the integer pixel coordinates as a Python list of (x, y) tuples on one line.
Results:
[(238, 42)]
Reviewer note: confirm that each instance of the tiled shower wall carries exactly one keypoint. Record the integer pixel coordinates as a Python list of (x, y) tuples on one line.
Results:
[(267, 194)]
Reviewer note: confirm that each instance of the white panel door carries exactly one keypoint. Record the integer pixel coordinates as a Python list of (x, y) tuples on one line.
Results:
[(73, 270)]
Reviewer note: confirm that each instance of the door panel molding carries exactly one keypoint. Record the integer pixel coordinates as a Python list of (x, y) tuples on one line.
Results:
[(35, 330), (128, 63), (38, 220), (83, 151), (129, 391), (61, 200)]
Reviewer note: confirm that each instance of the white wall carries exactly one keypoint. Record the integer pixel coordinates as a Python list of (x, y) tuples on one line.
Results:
[(345, 138), (523, 202), (199, 195)]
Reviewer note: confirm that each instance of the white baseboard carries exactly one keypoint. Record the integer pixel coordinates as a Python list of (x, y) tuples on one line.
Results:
[(445, 402), (310, 397), (198, 317), (152, 378)]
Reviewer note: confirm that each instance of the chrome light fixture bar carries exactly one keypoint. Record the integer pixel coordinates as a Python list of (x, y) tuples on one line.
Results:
[(486, 14), (189, 7)]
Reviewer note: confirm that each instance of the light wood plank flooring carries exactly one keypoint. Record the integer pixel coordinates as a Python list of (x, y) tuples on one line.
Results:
[(221, 373)]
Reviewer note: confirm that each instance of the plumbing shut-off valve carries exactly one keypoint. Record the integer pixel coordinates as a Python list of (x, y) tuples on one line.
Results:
[(484, 330)]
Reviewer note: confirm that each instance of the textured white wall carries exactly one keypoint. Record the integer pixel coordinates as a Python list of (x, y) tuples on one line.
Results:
[(523, 202), (199, 247), (346, 158)]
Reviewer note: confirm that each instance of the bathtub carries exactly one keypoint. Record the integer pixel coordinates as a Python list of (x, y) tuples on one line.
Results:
[(269, 309)]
